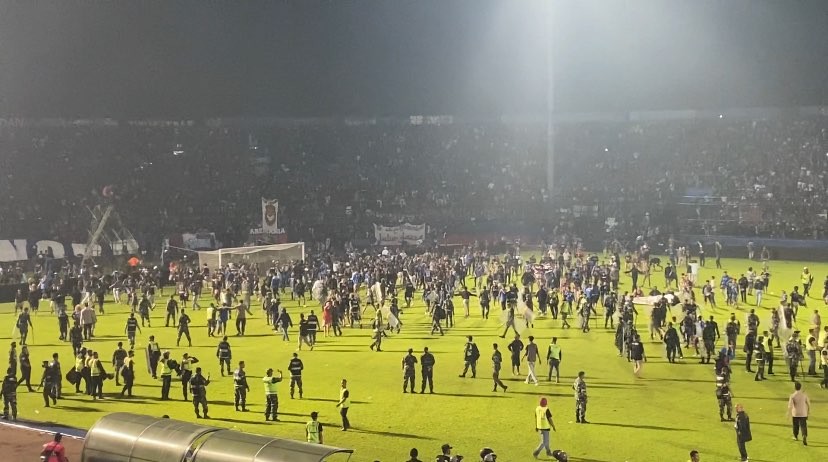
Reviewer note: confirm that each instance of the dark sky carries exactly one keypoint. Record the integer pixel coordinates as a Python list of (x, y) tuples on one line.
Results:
[(134, 58)]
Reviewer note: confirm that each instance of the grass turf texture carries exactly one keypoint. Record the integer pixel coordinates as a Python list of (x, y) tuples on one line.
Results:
[(659, 417)]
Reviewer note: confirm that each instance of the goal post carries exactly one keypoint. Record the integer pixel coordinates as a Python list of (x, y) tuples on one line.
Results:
[(261, 254)]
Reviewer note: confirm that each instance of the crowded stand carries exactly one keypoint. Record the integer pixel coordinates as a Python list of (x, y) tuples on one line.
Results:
[(737, 177)]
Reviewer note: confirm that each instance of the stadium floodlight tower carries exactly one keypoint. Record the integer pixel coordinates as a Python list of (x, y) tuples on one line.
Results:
[(106, 226)]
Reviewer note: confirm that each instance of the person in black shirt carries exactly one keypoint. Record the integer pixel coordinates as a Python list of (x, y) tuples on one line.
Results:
[(130, 328), (172, 311), (184, 329), (25, 368), (224, 355), (637, 355), (427, 363), (63, 323), (470, 356), (296, 367)]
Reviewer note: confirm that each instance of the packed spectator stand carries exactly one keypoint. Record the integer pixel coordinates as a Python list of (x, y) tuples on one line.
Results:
[(334, 178)]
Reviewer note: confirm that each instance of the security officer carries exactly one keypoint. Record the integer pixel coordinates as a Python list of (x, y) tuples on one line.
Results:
[(580, 398), (128, 373), (240, 387), (313, 429), (470, 356), (47, 384), (184, 330), (9, 392), (759, 351), (296, 367), (97, 372), (710, 333), (409, 374), (271, 398), (187, 362), (198, 387), (732, 330), (672, 340), (166, 375), (725, 398), (769, 352), (427, 363), (172, 311), (497, 360), (793, 351), (153, 355), (224, 355), (130, 328)]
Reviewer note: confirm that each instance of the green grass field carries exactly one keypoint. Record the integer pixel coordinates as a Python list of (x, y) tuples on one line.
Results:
[(659, 417)]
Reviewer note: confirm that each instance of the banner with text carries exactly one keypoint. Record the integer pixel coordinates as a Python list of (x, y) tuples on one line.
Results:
[(270, 210), (396, 235)]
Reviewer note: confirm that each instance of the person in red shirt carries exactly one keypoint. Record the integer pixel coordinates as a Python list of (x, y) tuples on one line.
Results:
[(54, 451)]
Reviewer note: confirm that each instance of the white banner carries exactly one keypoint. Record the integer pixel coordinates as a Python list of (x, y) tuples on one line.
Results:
[(270, 210), (396, 235), (13, 250)]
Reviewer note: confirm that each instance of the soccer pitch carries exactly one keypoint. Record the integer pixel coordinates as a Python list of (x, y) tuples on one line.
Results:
[(659, 417)]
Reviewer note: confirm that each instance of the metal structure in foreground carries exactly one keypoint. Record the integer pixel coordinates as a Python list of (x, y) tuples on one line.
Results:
[(125, 437)]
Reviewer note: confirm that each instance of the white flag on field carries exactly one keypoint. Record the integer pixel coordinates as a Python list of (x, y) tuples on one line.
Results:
[(270, 210)]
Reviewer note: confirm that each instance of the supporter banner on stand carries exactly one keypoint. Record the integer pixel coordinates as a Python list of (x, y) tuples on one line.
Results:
[(396, 235), (270, 210)]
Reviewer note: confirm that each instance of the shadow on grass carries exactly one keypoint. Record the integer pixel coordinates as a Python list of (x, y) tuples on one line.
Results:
[(330, 400), (469, 395), (640, 427), (391, 434), (74, 408)]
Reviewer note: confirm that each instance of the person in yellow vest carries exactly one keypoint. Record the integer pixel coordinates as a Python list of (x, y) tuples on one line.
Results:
[(344, 404), (543, 423), (96, 371), (166, 376), (807, 279), (79, 363), (313, 429), (153, 355), (187, 362), (553, 357), (271, 398)]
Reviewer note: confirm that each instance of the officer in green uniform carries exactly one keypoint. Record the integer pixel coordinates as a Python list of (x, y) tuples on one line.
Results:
[(580, 398), (271, 398), (9, 393), (409, 374), (198, 387), (153, 355), (427, 363), (240, 387), (313, 429)]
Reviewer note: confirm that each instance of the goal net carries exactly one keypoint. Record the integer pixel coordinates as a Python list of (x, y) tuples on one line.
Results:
[(264, 255)]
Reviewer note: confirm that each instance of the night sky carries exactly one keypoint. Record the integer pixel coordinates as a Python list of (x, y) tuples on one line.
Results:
[(135, 58)]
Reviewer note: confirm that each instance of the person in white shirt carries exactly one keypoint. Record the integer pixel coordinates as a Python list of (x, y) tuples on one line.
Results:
[(799, 406)]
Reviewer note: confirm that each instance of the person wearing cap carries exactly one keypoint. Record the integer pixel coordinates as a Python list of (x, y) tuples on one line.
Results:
[(198, 388), (543, 423), (488, 455), (54, 451), (8, 391), (313, 429), (166, 375), (445, 454), (427, 363), (409, 373), (793, 353)]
